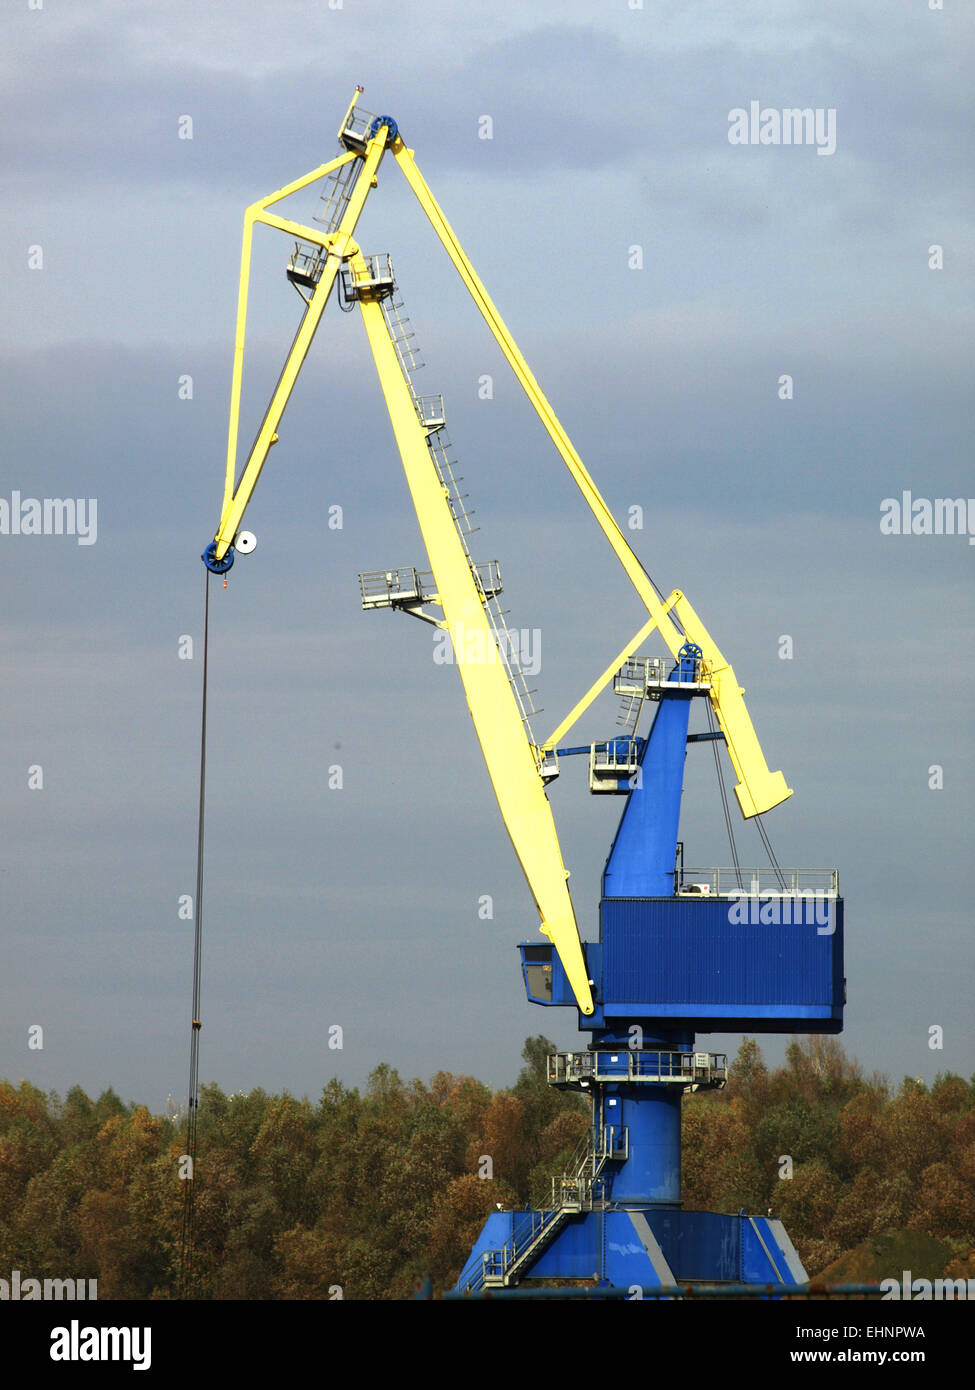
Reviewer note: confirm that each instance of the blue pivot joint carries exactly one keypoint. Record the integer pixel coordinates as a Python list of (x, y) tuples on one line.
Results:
[(390, 125), (215, 566)]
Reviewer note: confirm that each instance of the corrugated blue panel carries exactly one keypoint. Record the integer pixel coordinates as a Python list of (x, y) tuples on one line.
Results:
[(699, 1245), (692, 957), (574, 1253), (696, 1246)]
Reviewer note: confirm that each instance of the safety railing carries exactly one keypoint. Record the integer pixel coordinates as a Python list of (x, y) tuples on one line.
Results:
[(430, 412), (619, 757), (646, 677), (497, 1265), (488, 576), (381, 588), (306, 264), (355, 132), (389, 588), (373, 278), (684, 1068), (612, 762), (767, 882)]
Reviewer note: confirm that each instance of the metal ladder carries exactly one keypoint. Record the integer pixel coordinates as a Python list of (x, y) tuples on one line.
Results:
[(631, 707), (404, 342), (308, 261), (336, 194)]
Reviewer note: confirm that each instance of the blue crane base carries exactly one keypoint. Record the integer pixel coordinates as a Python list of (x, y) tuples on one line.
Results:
[(637, 1247)]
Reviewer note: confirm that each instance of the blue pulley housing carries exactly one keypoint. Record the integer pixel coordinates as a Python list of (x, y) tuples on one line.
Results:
[(389, 123), (209, 558)]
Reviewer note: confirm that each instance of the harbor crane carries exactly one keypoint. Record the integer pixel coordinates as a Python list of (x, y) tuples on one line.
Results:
[(681, 950)]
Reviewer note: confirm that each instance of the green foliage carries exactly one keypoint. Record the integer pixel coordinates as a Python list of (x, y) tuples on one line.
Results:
[(360, 1194), (833, 1155), (887, 1254)]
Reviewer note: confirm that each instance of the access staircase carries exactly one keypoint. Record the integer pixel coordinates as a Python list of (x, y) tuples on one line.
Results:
[(579, 1190)]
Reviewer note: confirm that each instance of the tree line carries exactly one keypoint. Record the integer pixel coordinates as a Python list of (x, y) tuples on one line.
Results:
[(359, 1194)]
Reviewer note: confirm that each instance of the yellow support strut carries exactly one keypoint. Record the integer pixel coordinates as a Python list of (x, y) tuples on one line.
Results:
[(340, 244)]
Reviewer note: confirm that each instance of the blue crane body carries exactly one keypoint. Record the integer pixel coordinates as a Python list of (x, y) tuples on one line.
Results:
[(680, 951), (669, 963)]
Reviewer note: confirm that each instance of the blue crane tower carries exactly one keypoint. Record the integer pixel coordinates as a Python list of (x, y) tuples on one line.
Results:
[(681, 951)]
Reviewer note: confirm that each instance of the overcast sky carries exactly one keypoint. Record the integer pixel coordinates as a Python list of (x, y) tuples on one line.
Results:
[(610, 147)]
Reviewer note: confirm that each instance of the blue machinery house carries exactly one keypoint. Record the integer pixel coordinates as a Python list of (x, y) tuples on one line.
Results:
[(680, 951)]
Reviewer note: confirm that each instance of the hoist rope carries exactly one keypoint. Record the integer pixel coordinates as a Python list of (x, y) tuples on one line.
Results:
[(189, 1156), (771, 854), (653, 584), (729, 825), (779, 876)]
